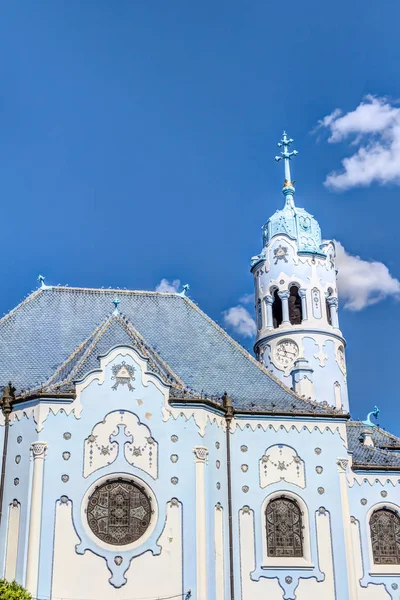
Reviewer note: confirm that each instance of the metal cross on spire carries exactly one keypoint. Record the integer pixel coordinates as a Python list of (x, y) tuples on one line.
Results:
[(286, 156)]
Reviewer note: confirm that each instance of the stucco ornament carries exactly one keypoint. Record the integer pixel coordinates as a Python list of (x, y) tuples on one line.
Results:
[(123, 374), (121, 431), (281, 463)]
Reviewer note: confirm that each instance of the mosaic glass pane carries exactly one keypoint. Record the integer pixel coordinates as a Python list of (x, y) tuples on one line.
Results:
[(284, 528), (385, 537), (119, 512)]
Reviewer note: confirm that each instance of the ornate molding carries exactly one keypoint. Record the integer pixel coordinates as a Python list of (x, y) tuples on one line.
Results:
[(200, 453), (38, 449)]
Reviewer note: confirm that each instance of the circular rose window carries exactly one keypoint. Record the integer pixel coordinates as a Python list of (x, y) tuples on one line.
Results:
[(119, 512)]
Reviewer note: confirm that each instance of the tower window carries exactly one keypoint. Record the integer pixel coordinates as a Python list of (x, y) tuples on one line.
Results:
[(385, 537), (259, 315), (284, 528), (277, 310), (328, 308), (295, 311)]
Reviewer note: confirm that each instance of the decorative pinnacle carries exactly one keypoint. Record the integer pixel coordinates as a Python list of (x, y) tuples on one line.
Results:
[(41, 279), (286, 156), (116, 301), (185, 289)]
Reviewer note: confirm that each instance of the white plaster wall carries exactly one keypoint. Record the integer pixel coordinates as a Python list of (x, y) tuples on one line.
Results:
[(86, 576), (372, 592), (310, 589), (12, 541), (253, 590), (219, 553)]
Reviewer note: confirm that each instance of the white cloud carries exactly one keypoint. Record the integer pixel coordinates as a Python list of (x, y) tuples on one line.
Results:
[(247, 298), (168, 286), (362, 283), (375, 125), (240, 320)]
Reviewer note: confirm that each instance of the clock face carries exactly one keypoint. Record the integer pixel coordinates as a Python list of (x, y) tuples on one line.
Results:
[(341, 359), (286, 352)]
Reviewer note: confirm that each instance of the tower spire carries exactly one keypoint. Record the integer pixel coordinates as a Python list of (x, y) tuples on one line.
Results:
[(288, 186)]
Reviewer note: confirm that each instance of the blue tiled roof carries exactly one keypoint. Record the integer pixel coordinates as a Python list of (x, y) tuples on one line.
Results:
[(378, 456), (56, 328)]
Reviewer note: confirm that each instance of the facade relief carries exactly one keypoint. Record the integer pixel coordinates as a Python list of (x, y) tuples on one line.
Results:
[(281, 463), (121, 431)]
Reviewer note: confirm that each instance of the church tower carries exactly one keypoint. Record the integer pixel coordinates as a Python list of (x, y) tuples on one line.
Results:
[(296, 301)]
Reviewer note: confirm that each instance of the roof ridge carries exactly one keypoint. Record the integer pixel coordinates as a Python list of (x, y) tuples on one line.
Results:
[(251, 358), (94, 338)]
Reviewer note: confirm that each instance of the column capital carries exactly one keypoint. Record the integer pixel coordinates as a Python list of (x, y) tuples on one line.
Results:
[(332, 301), (269, 299), (284, 294), (38, 449), (200, 454), (302, 292), (342, 464)]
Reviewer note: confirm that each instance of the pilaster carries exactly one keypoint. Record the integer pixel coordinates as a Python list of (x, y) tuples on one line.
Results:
[(35, 519), (200, 459)]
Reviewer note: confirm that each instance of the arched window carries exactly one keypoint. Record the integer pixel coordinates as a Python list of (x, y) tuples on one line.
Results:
[(385, 537), (284, 528), (328, 308), (277, 310), (295, 312), (259, 315)]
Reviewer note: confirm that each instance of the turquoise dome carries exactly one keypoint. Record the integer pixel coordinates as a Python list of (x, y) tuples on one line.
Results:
[(296, 223)]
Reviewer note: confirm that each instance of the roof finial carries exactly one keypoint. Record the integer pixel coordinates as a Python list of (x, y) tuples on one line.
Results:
[(41, 279), (185, 289), (374, 413), (288, 186), (116, 301)]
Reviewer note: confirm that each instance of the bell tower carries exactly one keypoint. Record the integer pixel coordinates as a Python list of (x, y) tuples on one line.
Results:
[(296, 301)]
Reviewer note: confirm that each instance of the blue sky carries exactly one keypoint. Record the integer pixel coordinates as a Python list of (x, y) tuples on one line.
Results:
[(137, 143)]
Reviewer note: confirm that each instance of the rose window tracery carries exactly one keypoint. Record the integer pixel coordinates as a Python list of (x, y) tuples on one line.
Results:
[(119, 512)]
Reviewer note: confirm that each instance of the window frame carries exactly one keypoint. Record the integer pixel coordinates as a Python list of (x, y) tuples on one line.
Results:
[(303, 562), (378, 568)]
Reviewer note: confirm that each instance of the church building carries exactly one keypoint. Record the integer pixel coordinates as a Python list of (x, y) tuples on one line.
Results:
[(146, 455)]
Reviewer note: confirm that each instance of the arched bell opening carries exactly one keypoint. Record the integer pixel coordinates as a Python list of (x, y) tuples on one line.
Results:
[(277, 310), (295, 309)]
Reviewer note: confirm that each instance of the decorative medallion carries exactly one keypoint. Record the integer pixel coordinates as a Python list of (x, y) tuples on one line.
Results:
[(118, 560), (243, 448), (288, 579), (363, 501), (64, 478), (174, 458), (174, 502), (217, 445), (66, 455), (322, 510), (15, 503), (64, 499), (280, 253), (67, 435), (244, 468), (384, 493), (246, 510), (245, 489), (174, 438), (119, 512), (218, 485), (123, 374), (19, 439), (174, 480), (18, 459), (282, 281), (16, 481), (217, 464), (317, 450), (394, 586), (319, 470), (321, 490)]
